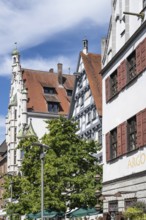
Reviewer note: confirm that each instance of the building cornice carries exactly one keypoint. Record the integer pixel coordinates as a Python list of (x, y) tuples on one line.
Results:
[(131, 176), (44, 115)]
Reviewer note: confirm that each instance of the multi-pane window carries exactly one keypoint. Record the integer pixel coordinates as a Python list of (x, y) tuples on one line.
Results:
[(114, 84), (49, 90), (131, 66), (15, 114), (15, 156), (89, 117), (94, 113), (53, 107), (82, 100), (132, 133), (113, 150), (15, 134), (130, 202)]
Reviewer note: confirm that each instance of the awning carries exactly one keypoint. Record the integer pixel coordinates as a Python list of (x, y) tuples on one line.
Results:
[(47, 213), (82, 212)]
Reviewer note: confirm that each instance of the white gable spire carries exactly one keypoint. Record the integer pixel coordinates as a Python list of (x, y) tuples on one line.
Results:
[(85, 46)]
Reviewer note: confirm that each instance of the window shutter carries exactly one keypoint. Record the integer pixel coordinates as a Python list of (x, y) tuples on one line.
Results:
[(138, 59), (108, 146), (107, 88), (119, 78), (124, 137), (143, 54), (139, 129), (119, 144), (144, 126), (123, 73)]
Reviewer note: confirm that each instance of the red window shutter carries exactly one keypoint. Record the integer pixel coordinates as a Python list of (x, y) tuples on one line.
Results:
[(139, 129), (108, 146), (124, 137), (138, 59), (107, 88), (143, 54), (119, 78), (144, 126), (119, 144), (123, 73)]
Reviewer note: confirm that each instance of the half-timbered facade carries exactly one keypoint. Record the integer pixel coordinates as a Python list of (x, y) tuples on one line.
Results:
[(124, 107), (86, 107)]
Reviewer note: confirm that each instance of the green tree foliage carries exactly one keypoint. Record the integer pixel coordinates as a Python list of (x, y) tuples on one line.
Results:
[(136, 211), (69, 171)]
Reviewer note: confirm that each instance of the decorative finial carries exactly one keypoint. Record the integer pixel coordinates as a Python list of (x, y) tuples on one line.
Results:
[(15, 51), (15, 45)]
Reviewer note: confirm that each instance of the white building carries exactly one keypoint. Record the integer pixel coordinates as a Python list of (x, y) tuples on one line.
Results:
[(34, 97), (124, 107), (86, 106)]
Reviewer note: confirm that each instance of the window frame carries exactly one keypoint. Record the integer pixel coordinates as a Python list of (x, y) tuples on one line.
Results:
[(113, 144), (49, 90), (132, 133), (82, 100), (54, 105), (89, 117), (131, 66), (113, 83)]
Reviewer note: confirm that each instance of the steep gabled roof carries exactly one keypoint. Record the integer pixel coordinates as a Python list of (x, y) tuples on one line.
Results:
[(3, 148), (35, 81), (92, 65)]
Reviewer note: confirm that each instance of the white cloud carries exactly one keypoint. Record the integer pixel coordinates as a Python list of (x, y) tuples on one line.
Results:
[(2, 128), (32, 22), (39, 63)]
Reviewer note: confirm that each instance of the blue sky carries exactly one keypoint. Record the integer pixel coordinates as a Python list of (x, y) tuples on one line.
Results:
[(47, 32)]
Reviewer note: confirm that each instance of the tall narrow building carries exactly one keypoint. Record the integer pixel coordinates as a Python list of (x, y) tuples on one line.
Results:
[(34, 97), (86, 106), (124, 108)]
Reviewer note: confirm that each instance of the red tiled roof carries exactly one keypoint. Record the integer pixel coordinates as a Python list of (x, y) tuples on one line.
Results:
[(92, 64), (34, 82)]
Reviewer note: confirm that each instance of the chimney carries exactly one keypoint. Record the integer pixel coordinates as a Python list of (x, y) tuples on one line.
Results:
[(51, 70), (59, 65), (85, 46)]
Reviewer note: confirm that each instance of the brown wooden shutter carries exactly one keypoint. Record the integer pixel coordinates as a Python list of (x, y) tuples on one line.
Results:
[(139, 129), (119, 144), (108, 146), (144, 126), (138, 59), (107, 88), (143, 54), (123, 73), (119, 78), (124, 137)]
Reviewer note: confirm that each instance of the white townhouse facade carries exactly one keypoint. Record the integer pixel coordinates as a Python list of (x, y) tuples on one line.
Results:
[(124, 107), (35, 96), (86, 105)]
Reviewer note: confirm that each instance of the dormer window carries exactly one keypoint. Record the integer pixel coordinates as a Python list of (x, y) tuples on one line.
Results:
[(69, 92), (49, 90), (53, 107)]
